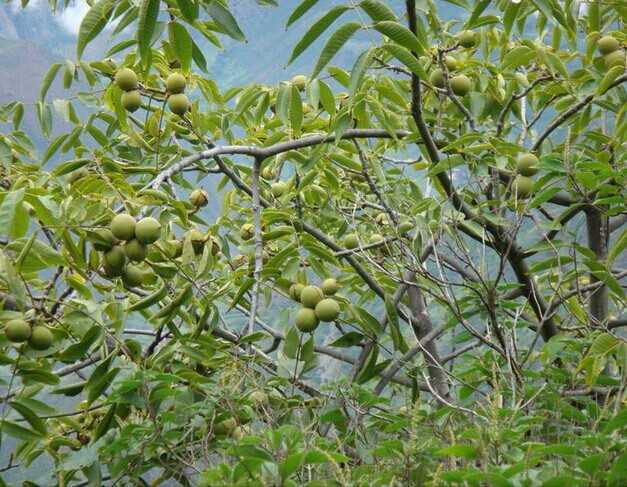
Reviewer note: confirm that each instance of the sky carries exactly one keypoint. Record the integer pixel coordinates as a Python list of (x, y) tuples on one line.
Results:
[(70, 18)]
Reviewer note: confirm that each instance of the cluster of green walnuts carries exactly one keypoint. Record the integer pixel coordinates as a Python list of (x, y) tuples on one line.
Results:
[(526, 167), (126, 243), (126, 80), (37, 336), (460, 83), (611, 50), (318, 304)]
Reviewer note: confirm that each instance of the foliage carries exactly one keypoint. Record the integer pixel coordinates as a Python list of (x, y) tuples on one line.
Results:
[(473, 220)]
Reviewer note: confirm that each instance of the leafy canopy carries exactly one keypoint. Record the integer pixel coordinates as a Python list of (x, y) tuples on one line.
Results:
[(456, 189)]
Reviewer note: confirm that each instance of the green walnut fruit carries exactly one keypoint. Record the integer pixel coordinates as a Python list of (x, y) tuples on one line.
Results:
[(111, 64), (436, 78), (527, 164), (330, 286), (376, 238), (131, 100), (106, 239), (175, 83), (300, 81), (296, 290), (278, 189), (451, 63), (268, 173), (327, 310), (40, 338), (147, 230), (126, 79), (76, 175), (306, 320), (310, 296), (17, 331), (616, 58), (381, 219), (123, 226), (405, 227), (258, 398), (135, 250), (178, 104), (133, 276), (467, 38), (247, 231), (198, 240), (174, 248), (522, 186), (460, 85), (607, 44), (114, 261), (199, 198), (225, 427), (351, 241)]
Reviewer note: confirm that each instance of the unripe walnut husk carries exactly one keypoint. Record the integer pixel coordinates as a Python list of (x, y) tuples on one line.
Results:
[(126, 79), (178, 104), (310, 296), (327, 310), (41, 338), (199, 198), (17, 331), (131, 100), (123, 226), (306, 320), (175, 83)]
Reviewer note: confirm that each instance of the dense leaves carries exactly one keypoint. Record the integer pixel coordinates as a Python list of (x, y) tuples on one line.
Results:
[(461, 180)]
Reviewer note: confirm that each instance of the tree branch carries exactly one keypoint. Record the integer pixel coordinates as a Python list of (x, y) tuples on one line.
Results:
[(570, 112)]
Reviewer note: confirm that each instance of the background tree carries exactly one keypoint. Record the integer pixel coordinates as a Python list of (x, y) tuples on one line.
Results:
[(416, 275)]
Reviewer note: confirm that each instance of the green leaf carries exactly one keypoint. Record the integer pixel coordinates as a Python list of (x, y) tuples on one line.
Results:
[(225, 20), (105, 424), (617, 248), (19, 432), (316, 30), (182, 44), (199, 57), (368, 322), (511, 12), (359, 70), (377, 10), (296, 111), (518, 56), (77, 351), (480, 7), (334, 44), (97, 388), (604, 344), (92, 24), (9, 210), (462, 451), (246, 285), (54, 147), (48, 79), (397, 337), (30, 416), (407, 58), (38, 375), (401, 35), (369, 369), (609, 78), (148, 13), (189, 9), (300, 10), (617, 422)]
